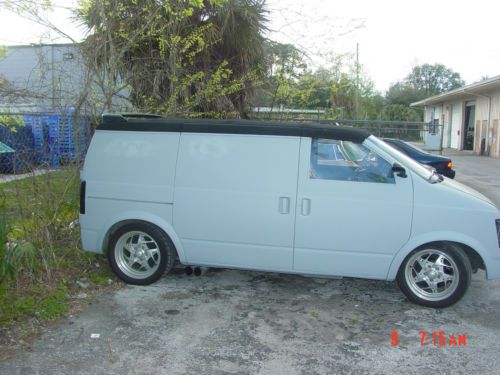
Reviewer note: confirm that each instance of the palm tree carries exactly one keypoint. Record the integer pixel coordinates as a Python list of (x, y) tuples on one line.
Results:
[(171, 54)]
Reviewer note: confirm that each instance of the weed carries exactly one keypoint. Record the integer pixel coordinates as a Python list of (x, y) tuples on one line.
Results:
[(100, 279), (14, 255), (40, 245), (39, 303), (314, 314)]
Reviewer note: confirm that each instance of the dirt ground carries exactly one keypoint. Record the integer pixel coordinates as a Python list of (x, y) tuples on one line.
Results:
[(240, 322)]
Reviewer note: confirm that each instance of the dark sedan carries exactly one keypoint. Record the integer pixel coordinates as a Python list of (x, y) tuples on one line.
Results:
[(443, 165)]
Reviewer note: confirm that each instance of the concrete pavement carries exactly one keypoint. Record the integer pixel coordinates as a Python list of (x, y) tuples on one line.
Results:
[(480, 172)]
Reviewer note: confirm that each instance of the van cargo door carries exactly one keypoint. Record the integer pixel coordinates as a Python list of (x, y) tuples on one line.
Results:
[(234, 199)]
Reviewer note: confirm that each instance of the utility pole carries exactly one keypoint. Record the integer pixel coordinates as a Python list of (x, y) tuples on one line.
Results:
[(356, 98)]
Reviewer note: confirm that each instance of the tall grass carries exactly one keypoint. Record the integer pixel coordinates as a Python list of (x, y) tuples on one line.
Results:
[(15, 256), (36, 230)]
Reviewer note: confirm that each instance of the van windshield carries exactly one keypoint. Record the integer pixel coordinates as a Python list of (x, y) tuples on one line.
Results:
[(401, 158)]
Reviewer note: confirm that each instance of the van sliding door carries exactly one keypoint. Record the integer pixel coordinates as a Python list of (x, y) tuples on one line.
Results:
[(235, 199)]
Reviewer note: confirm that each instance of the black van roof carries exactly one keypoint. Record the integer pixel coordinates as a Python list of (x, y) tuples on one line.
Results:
[(155, 123)]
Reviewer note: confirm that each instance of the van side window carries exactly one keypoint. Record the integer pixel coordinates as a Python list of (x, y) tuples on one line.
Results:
[(347, 161)]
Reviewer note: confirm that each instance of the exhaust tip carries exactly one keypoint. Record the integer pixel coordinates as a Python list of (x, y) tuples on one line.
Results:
[(200, 271)]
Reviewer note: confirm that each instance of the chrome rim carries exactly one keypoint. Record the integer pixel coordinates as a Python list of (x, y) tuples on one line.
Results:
[(431, 274), (137, 254)]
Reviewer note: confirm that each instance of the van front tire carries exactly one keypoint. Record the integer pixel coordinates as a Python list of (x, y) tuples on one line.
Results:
[(435, 275), (140, 253)]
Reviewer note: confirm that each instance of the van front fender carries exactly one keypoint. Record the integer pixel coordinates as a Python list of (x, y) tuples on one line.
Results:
[(439, 236)]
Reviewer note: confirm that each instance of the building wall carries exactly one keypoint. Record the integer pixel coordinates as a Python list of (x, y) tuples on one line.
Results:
[(52, 76), (451, 116), (487, 127)]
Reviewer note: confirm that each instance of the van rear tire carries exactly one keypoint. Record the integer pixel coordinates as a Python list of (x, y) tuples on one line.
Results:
[(140, 253)]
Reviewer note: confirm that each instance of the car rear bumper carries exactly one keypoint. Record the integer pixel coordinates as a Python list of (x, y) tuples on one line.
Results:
[(450, 173)]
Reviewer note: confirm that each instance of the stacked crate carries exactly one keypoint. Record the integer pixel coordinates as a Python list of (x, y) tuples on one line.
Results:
[(39, 128), (59, 137), (70, 134)]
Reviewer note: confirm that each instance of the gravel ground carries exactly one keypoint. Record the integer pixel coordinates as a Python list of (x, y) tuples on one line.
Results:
[(241, 322)]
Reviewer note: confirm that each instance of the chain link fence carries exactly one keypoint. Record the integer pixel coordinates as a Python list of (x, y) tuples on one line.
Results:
[(42, 140), (428, 133)]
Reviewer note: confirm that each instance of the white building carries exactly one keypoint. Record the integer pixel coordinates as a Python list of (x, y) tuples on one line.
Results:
[(469, 116), (49, 77)]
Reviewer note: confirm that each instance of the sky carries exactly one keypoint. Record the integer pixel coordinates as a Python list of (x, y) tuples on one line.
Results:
[(393, 36)]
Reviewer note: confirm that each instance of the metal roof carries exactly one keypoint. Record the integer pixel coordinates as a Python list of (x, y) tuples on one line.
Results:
[(471, 90)]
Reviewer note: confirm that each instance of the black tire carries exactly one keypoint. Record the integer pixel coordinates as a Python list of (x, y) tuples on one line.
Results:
[(153, 240), (456, 266)]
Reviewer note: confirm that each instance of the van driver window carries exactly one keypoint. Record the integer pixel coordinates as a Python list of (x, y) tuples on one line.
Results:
[(348, 161)]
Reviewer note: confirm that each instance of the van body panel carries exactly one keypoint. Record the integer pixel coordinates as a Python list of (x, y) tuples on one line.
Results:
[(227, 254), (129, 176), (238, 191), (354, 228), (116, 211), (131, 166), (445, 208), (91, 240), (341, 263)]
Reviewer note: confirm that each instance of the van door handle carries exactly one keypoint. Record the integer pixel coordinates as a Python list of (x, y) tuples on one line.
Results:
[(305, 207), (284, 205)]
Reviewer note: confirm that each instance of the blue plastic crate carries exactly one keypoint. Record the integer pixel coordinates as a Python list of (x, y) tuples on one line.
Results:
[(58, 136)]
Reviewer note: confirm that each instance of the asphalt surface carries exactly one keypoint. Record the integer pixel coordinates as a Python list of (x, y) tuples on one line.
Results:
[(480, 172), (241, 322)]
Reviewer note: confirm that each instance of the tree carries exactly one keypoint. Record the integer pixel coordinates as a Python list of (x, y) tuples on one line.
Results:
[(401, 112), (433, 79), (423, 81), (284, 67), (177, 56), (404, 93), (343, 97)]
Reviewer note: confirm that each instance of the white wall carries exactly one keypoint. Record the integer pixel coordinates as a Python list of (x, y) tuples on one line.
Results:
[(54, 77), (483, 113)]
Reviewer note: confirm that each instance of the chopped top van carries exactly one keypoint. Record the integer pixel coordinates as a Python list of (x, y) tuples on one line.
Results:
[(300, 198)]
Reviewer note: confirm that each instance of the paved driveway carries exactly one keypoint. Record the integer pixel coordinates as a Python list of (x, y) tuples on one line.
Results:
[(240, 322), (480, 172)]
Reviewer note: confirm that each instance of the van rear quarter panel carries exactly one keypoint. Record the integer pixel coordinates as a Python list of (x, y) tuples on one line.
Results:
[(137, 166), (129, 175)]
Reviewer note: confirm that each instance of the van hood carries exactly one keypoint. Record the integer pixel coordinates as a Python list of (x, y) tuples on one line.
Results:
[(454, 184)]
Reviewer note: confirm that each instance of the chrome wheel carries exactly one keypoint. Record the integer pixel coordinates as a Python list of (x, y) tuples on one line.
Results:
[(431, 274), (137, 254)]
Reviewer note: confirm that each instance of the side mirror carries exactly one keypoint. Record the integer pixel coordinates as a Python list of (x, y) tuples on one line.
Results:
[(399, 170)]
